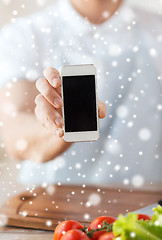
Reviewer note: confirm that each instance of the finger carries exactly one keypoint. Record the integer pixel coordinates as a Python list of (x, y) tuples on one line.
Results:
[(43, 119), (47, 123), (101, 109), (58, 90), (53, 76), (49, 111), (59, 132), (49, 92)]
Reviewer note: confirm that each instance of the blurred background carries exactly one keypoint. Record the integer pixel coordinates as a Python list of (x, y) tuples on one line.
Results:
[(10, 9)]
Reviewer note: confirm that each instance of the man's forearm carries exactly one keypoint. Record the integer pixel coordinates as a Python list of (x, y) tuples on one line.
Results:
[(23, 135), (26, 138)]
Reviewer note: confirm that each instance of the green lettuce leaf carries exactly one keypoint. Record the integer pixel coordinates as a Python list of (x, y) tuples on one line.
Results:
[(128, 227), (151, 227), (157, 217)]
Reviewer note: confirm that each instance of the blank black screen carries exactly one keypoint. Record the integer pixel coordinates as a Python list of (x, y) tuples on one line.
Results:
[(80, 103)]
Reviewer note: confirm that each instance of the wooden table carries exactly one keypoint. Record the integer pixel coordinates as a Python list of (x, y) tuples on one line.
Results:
[(58, 203), (10, 233)]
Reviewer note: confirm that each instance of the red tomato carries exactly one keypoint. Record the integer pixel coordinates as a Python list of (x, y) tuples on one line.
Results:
[(144, 217), (75, 235), (97, 223), (97, 235), (107, 236), (65, 226)]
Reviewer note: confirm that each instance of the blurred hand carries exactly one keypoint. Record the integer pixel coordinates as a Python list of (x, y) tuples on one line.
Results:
[(49, 102), (23, 135)]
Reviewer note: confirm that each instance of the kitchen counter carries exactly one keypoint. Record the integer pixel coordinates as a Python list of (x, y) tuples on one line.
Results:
[(9, 233), (44, 208)]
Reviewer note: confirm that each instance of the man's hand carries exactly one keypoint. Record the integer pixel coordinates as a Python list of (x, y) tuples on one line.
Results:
[(49, 102), (24, 137)]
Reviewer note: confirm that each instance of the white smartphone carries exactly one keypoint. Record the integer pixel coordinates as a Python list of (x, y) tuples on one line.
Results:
[(80, 104)]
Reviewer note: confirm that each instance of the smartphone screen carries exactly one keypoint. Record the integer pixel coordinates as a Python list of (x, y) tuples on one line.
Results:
[(79, 103)]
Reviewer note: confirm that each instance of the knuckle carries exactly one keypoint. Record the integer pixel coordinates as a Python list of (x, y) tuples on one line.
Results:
[(41, 79), (39, 99), (44, 88), (39, 83), (46, 71), (50, 72)]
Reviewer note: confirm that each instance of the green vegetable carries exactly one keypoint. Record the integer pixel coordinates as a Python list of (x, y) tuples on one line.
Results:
[(152, 227), (157, 217), (130, 228)]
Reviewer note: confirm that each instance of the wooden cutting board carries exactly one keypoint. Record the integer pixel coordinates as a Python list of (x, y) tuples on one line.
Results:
[(44, 208)]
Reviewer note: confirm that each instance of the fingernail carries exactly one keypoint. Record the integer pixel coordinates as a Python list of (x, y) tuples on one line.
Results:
[(59, 122), (55, 81), (58, 132), (58, 102)]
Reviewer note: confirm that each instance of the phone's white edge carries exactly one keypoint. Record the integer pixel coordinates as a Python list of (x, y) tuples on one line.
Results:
[(81, 136), (76, 70)]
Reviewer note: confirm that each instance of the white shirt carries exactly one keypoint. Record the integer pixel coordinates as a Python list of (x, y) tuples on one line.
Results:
[(127, 53)]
